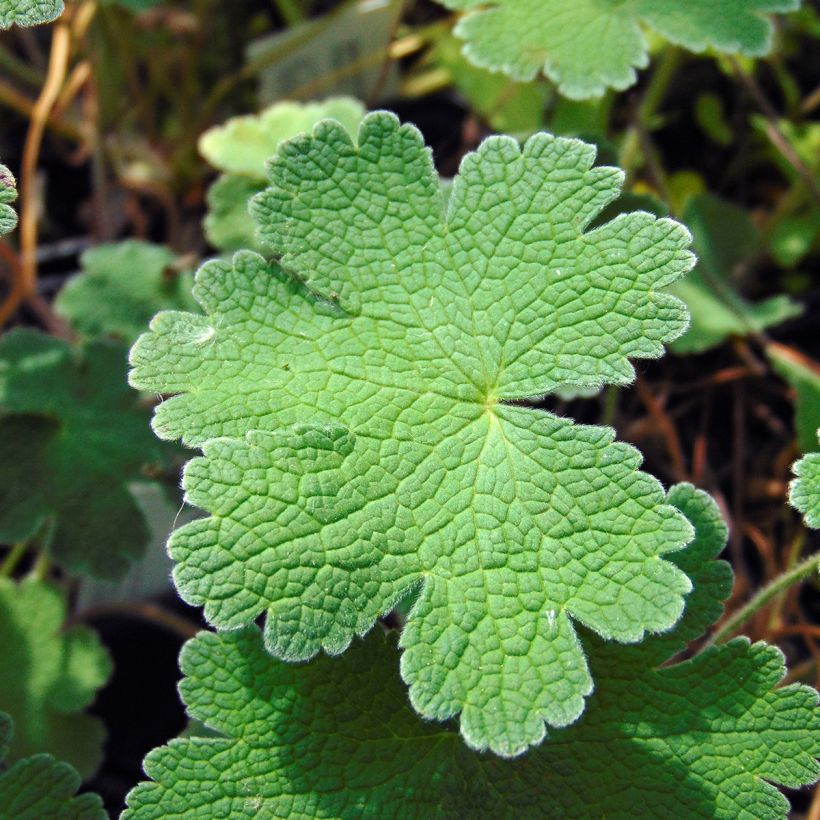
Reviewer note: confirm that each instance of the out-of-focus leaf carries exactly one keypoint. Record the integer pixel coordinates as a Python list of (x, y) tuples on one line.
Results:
[(723, 236), (508, 106), (712, 119), (794, 237), (121, 287), (48, 676), (72, 435), (243, 144), (587, 46), (228, 224)]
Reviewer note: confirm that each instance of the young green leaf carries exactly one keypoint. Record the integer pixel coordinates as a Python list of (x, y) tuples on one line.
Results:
[(72, 436), (588, 46), (121, 287), (240, 149), (688, 740), (803, 377), (29, 12), (243, 144), (8, 194), (723, 237), (228, 224), (377, 438), (48, 676), (40, 786), (804, 492)]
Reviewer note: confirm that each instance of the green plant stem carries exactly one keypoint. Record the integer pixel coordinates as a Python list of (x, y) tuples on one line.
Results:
[(41, 567), (770, 591), (631, 148), (13, 558), (289, 11)]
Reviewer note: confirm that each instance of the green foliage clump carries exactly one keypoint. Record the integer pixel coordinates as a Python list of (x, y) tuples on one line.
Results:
[(48, 676), (72, 435)]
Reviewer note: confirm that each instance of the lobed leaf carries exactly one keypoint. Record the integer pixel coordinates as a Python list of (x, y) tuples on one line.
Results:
[(29, 12), (363, 431), (588, 46), (336, 738), (47, 678), (72, 436)]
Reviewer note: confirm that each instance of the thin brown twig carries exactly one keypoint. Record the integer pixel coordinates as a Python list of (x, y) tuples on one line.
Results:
[(24, 285), (776, 136), (665, 427), (146, 611)]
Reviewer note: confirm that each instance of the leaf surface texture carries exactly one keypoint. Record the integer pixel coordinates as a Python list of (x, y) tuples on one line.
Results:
[(363, 434)]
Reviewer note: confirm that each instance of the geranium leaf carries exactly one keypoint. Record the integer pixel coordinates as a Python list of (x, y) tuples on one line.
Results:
[(588, 46), (48, 677), (376, 438), (336, 738)]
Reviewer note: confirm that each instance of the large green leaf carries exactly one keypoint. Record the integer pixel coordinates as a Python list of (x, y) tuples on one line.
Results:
[(121, 286), (377, 437), (29, 12), (8, 194), (41, 787), (336, 738), (48, 676), (72, 435), (588, 46)]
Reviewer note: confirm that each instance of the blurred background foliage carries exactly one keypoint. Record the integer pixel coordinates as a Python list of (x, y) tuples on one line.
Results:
[(107, 118)]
